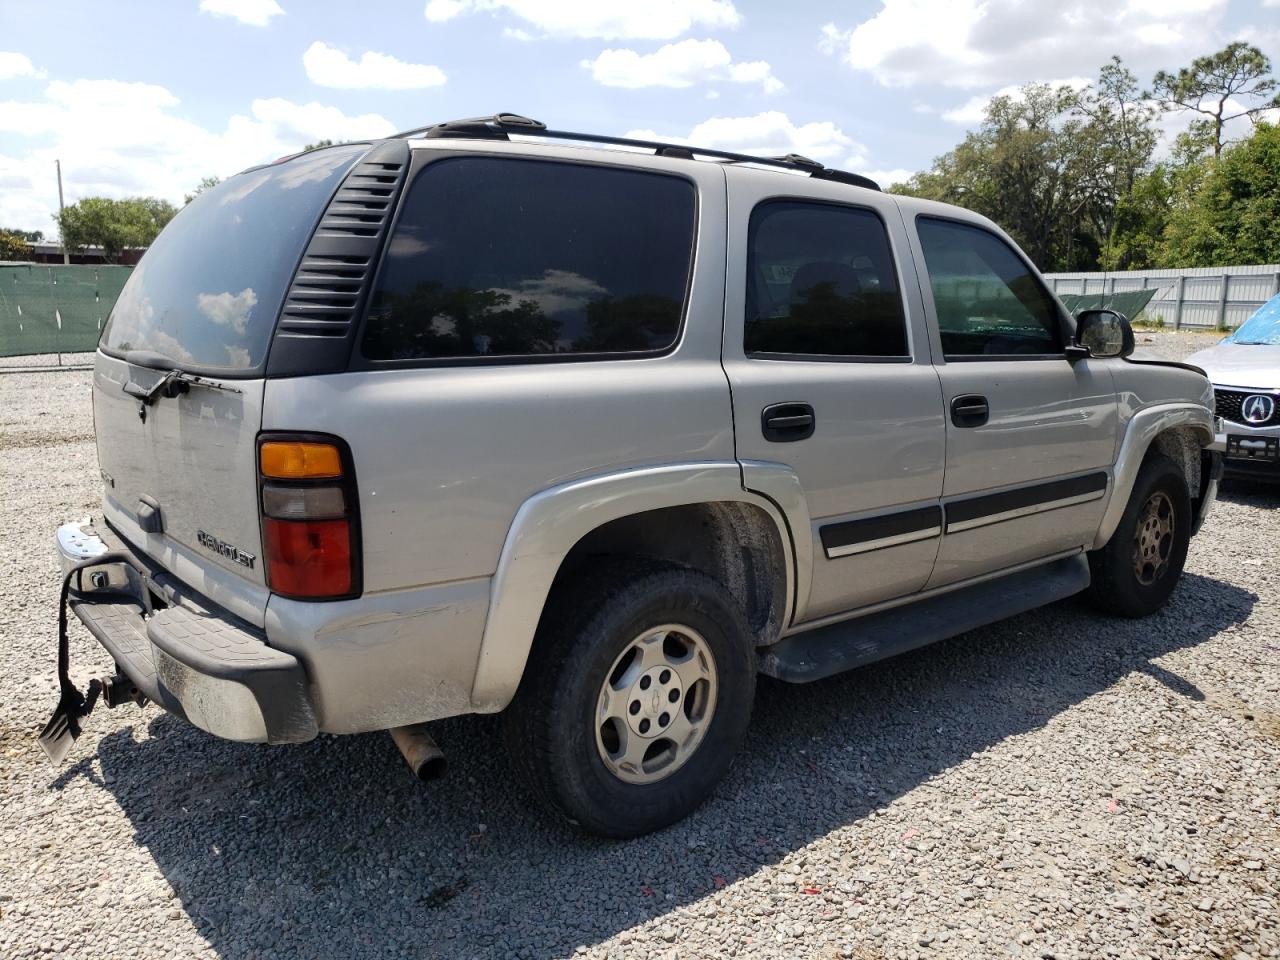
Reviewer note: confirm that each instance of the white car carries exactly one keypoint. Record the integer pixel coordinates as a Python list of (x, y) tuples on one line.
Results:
[(1245, 371)]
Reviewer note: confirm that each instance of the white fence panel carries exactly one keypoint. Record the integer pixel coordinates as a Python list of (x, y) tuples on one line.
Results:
[(1198, 297)]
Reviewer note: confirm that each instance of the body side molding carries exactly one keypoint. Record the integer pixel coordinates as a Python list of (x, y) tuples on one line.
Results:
[(1144, 426), (550, 523)]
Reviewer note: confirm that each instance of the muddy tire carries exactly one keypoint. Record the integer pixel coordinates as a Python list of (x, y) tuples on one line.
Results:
[(1134, 574), (635, 699)]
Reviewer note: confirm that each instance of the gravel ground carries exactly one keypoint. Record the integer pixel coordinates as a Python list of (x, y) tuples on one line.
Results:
[(1058, 785)]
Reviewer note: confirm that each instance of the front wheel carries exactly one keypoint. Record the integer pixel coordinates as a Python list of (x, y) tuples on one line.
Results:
[(635, 699), (1134, 574)]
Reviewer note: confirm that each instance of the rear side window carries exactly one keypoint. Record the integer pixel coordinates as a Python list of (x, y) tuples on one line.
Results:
[(821, 282), (989, 302), (207, 293), (495, 257)]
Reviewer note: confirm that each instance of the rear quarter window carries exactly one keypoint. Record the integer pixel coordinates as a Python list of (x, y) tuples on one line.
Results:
[(515, 258)]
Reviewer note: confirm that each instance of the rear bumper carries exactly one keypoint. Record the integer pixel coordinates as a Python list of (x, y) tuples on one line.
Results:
[(197, 662)]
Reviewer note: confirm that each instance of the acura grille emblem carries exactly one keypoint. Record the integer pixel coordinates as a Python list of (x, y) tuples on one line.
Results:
[(1258, 408)]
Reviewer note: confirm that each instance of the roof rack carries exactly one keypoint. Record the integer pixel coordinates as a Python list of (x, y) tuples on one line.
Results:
[(501, 125)]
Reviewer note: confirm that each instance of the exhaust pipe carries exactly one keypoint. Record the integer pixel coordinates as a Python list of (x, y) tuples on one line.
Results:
[(425, 759)]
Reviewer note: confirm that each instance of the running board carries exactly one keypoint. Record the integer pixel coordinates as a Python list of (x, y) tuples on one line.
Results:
[(826, 651)]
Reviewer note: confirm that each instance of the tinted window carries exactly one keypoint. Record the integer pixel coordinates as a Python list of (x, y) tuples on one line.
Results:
[(497, 257), (207, 293), (988, 300), (821, 281)]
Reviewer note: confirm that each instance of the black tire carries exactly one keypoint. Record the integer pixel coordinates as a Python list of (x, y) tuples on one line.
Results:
[(1118, 587), (550, 726)]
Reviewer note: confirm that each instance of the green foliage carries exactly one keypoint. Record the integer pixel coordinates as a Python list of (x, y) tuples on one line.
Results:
[(1071, 175), (205, 184), (1040, 166), (14, 245), (114, 224), (1233, 213), (31, 236), (1139, 221), (318, 145)]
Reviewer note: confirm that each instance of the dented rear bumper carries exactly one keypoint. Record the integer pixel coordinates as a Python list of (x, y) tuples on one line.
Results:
[(179, 650)]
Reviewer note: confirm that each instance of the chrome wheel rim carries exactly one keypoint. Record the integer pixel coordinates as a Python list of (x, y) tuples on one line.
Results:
[(1153, 539), (656, 704)]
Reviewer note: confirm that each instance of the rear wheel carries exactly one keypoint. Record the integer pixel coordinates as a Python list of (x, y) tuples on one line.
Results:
[(635, 699), (1134, 574)]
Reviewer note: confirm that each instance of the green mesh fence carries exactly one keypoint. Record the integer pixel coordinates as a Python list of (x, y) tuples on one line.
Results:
[(1130, 303), (55, 309)]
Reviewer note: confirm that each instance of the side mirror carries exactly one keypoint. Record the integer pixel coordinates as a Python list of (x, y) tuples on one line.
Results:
[(1103, 333)]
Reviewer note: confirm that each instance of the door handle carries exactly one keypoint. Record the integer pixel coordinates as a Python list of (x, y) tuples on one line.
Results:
[(787, 422), (970, 410)]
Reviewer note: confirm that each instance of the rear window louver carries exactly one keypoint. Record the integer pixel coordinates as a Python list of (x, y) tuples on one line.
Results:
[(329, 289)]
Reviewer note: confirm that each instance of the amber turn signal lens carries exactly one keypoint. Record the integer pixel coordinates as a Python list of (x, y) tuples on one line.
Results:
[(295, 460)]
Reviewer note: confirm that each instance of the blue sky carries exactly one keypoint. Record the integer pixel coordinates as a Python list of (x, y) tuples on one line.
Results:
[(146, 98)]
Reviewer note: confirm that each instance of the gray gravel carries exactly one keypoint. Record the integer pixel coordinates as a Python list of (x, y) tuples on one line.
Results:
[(1059, 785)]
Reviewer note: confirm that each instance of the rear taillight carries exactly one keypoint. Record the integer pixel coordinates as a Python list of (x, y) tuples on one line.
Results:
[(310, 516)]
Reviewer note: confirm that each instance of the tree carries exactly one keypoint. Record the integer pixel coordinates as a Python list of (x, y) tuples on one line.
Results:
[(14, 245), (318, 145), (206, 183), (1029, 168), (1220, 87), (114, 224), (31, 236), (1233, 214), (1119, 129), (1139, 221)]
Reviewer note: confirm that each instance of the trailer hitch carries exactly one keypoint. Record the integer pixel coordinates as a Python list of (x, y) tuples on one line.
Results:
[(63, 728)]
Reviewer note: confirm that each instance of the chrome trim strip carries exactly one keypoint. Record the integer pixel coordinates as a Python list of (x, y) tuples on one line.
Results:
[(866, 546), (1025, 511)]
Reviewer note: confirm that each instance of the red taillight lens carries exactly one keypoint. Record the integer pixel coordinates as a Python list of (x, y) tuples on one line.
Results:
[(310, 522), (308, 558)]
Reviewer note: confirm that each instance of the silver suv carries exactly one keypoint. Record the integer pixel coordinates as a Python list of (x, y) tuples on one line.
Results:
[(491, 418)]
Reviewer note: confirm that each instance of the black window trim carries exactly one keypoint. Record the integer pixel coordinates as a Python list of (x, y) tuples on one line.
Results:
[(1065, 330), (424, 158), (773, 357)]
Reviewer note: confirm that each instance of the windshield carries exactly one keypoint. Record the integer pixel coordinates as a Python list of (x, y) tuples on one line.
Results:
[(207, 292), (1262, 328)]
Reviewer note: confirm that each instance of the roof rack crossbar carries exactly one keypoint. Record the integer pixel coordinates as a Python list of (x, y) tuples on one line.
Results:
[(499, 126)]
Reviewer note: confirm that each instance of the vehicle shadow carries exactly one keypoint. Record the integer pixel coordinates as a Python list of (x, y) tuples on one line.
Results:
[(332, 848), (1258, 492)]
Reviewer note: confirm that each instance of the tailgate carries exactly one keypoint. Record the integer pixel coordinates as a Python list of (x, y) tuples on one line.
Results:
[(193, 460)]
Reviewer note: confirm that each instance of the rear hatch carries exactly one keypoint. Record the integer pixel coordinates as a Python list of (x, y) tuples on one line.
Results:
[(180, 471)]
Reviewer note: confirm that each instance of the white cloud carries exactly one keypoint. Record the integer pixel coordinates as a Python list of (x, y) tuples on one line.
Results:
[(972, 112), (120, 139), (228, 309), (886, 178), (974, 43), (767, 134), (557, 291), (773, 134), (438, 11), (679, 65), (600, 19), (330, 67), (13, 65), (256, 13)]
